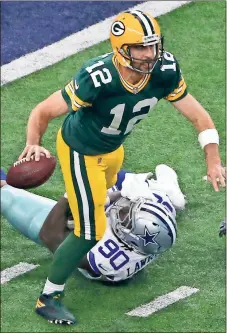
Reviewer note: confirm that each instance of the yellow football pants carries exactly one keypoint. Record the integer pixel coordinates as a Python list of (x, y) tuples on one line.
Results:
[(87, 179)]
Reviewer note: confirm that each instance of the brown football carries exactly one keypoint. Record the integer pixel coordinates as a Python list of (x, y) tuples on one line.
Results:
[(29, 174)]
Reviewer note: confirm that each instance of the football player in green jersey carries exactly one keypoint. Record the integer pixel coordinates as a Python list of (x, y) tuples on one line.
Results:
[(104, 101)]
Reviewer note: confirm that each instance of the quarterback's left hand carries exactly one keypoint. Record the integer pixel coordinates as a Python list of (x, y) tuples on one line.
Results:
[(216, 174)]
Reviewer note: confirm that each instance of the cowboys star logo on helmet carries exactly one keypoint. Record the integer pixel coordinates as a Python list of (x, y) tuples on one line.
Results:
[(149, 238), (136, 28), (146, 226)]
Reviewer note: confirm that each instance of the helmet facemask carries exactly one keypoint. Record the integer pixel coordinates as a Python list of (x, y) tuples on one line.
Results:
[(121, 222), (132, 62)]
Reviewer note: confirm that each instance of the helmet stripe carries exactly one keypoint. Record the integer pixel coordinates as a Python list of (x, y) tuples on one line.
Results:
[(152, 205), (150, 22), (162, 210), (171, 230), (146, 24), (141, 23)]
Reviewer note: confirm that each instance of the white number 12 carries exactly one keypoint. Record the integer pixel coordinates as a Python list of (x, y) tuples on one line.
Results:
[(118, 112), (99, 74)]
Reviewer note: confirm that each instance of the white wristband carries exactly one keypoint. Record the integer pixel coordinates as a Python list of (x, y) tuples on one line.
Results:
[(208, 136)]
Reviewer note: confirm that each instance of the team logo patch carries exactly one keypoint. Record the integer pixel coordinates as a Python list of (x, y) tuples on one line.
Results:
[(149, 238), (76, 85), (118, 28)]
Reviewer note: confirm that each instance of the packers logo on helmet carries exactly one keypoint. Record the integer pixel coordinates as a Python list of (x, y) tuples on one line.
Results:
[(136, 28), (118, 28)]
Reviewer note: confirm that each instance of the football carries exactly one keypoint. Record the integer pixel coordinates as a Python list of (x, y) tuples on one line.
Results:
[(29, 174)]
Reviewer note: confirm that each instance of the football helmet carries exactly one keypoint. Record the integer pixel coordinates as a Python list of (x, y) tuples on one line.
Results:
[(143, 225), (135, 28)]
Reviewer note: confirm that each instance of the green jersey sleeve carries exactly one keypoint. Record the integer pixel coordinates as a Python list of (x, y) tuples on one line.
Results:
[(177, 88), (80, 92)]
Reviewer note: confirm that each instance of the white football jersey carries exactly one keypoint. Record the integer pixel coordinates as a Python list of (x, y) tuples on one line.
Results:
[(112, 260)]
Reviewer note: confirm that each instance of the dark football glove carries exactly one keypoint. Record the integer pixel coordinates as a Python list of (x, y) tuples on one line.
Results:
[(222, 228)]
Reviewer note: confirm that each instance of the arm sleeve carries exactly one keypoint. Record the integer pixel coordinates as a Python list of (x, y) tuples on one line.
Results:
[(178, 87)]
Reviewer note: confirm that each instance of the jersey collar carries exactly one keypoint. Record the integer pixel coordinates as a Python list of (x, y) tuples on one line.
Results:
[(133, 88)]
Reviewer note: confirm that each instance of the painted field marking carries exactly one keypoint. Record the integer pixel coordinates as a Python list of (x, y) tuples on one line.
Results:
[(96, 33), (163, 301), (15, 271)]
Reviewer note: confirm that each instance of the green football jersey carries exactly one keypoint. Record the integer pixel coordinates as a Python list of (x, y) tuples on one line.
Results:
[(104, 108)]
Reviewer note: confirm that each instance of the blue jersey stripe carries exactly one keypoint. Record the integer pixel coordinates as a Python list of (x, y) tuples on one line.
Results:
[(91, 259)]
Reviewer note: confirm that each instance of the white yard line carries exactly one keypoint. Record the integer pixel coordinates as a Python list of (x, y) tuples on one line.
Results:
[(15, 271), (75, 43), (163, 301)]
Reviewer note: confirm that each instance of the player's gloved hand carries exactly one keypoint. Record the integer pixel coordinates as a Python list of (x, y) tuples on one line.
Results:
[(37, 150), (222, 229)]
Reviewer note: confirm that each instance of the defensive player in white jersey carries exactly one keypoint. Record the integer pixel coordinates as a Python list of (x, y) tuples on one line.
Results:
[(141, 222)]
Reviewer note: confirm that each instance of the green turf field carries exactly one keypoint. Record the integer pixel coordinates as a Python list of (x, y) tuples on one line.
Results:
[(196, 35)]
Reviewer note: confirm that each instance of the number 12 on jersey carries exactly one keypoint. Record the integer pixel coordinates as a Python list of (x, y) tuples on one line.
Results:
[(103, 75), (98, 74)]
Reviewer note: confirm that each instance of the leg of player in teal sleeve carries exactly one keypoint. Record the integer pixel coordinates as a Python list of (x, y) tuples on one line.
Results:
[(25, 211)]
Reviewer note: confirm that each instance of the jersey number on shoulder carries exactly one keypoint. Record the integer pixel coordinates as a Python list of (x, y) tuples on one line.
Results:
[(111, 251), (168, 56), (97, 75), (164, 203)]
